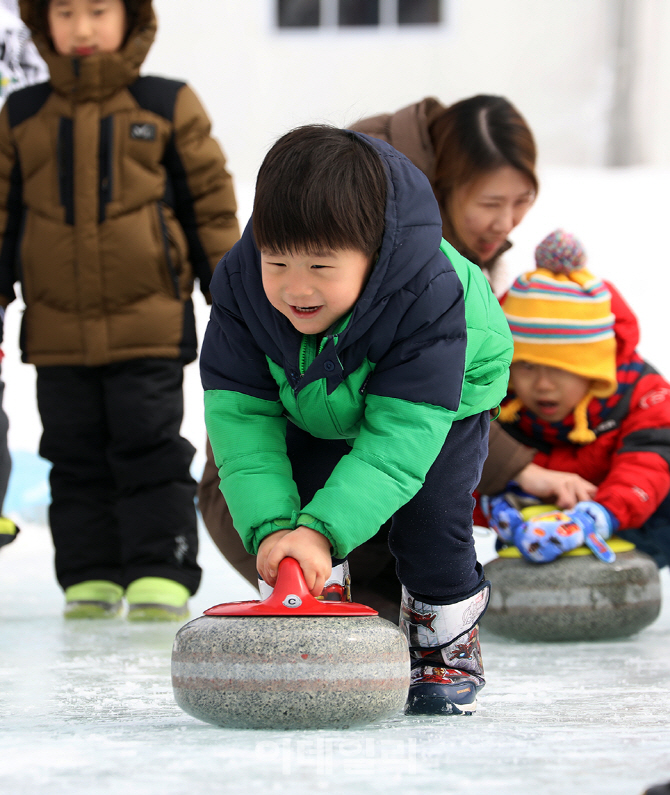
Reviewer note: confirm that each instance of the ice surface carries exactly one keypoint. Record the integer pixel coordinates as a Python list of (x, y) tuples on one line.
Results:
[(87, 708)]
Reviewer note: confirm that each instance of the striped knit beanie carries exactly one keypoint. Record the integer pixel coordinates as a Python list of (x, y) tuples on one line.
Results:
[(560, 316)]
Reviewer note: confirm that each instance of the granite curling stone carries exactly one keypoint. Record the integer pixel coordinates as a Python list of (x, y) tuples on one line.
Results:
[(290, 662), (575, 598)]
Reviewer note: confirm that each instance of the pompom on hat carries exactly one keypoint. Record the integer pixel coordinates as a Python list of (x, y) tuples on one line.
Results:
[(560, 316)]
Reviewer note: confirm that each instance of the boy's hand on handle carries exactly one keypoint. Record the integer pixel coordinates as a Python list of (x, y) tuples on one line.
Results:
[(564, 489), (264, 548), (310, 548)]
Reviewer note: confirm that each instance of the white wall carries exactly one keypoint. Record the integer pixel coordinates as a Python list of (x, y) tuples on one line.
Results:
[(651, 107), (553, 58)]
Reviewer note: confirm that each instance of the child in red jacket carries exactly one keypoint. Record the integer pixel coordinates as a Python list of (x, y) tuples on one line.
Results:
[(589, 404)]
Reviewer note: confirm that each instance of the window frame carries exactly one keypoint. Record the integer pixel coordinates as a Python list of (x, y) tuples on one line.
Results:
[(388, 22)]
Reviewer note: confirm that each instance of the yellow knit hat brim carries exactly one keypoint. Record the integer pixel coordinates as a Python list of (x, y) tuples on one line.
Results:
[(595, 361)]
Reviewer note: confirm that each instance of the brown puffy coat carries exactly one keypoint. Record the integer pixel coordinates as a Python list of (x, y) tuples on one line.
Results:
[(114, 197)]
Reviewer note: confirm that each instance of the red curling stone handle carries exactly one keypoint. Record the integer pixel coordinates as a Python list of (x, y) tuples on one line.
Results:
[(290, 597)]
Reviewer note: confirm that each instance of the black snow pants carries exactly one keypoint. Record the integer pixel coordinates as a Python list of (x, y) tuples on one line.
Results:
[(430, 537), (122, 496)]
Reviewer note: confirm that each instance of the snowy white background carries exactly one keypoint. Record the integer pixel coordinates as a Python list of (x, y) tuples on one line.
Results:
[(89, 709)]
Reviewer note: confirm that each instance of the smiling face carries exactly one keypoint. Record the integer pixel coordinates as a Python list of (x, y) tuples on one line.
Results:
[(314, 290), (485, 210), (549, 392), (83, 27)]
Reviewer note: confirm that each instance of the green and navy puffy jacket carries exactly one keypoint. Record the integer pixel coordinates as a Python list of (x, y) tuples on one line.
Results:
[(425, 344)]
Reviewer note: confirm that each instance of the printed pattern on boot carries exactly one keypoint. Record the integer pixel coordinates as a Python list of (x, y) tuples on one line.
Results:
[(447, 669), (446, 681), (338, 585)]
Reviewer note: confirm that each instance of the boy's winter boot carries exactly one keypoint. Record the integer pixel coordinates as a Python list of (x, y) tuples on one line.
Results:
[(336, 589), (93, 599), (447, 670), (8, 531), (338, 585), (157, 599)]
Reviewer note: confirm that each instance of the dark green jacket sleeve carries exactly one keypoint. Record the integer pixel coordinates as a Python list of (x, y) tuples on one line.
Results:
[(489, 350)]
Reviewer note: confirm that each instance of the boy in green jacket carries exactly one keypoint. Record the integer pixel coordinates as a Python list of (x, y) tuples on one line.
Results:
[(350, 364)]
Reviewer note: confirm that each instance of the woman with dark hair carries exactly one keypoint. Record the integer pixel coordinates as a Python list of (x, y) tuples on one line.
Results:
[(479, 155)]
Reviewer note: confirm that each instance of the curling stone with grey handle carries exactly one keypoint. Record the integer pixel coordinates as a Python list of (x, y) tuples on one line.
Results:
[(575, 598)]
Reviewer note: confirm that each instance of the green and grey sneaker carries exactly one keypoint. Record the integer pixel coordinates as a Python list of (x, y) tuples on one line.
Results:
[(157, 599), (8, 531), (93, 599)]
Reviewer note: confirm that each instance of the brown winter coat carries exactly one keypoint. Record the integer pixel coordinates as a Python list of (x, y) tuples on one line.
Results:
[(113, 198)]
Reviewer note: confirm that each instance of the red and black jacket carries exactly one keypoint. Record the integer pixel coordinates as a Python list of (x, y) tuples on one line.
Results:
[(630, 459)]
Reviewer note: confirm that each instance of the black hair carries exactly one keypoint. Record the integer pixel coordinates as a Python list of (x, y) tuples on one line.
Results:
[(319, 189), (480, 134)]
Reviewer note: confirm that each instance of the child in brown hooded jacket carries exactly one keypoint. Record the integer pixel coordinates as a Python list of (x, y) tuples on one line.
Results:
[(114, 197)]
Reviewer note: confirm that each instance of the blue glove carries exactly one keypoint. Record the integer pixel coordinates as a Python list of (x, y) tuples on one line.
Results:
[(503, 517), (604, 524), (546, 536)]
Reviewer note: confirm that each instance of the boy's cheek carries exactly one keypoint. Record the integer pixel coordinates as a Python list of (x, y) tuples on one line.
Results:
[(270, 291)]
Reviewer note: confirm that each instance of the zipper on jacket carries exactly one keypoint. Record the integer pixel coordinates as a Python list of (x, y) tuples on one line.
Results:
[(105, 166), (309, 349), (174, 276), (308, 352)]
